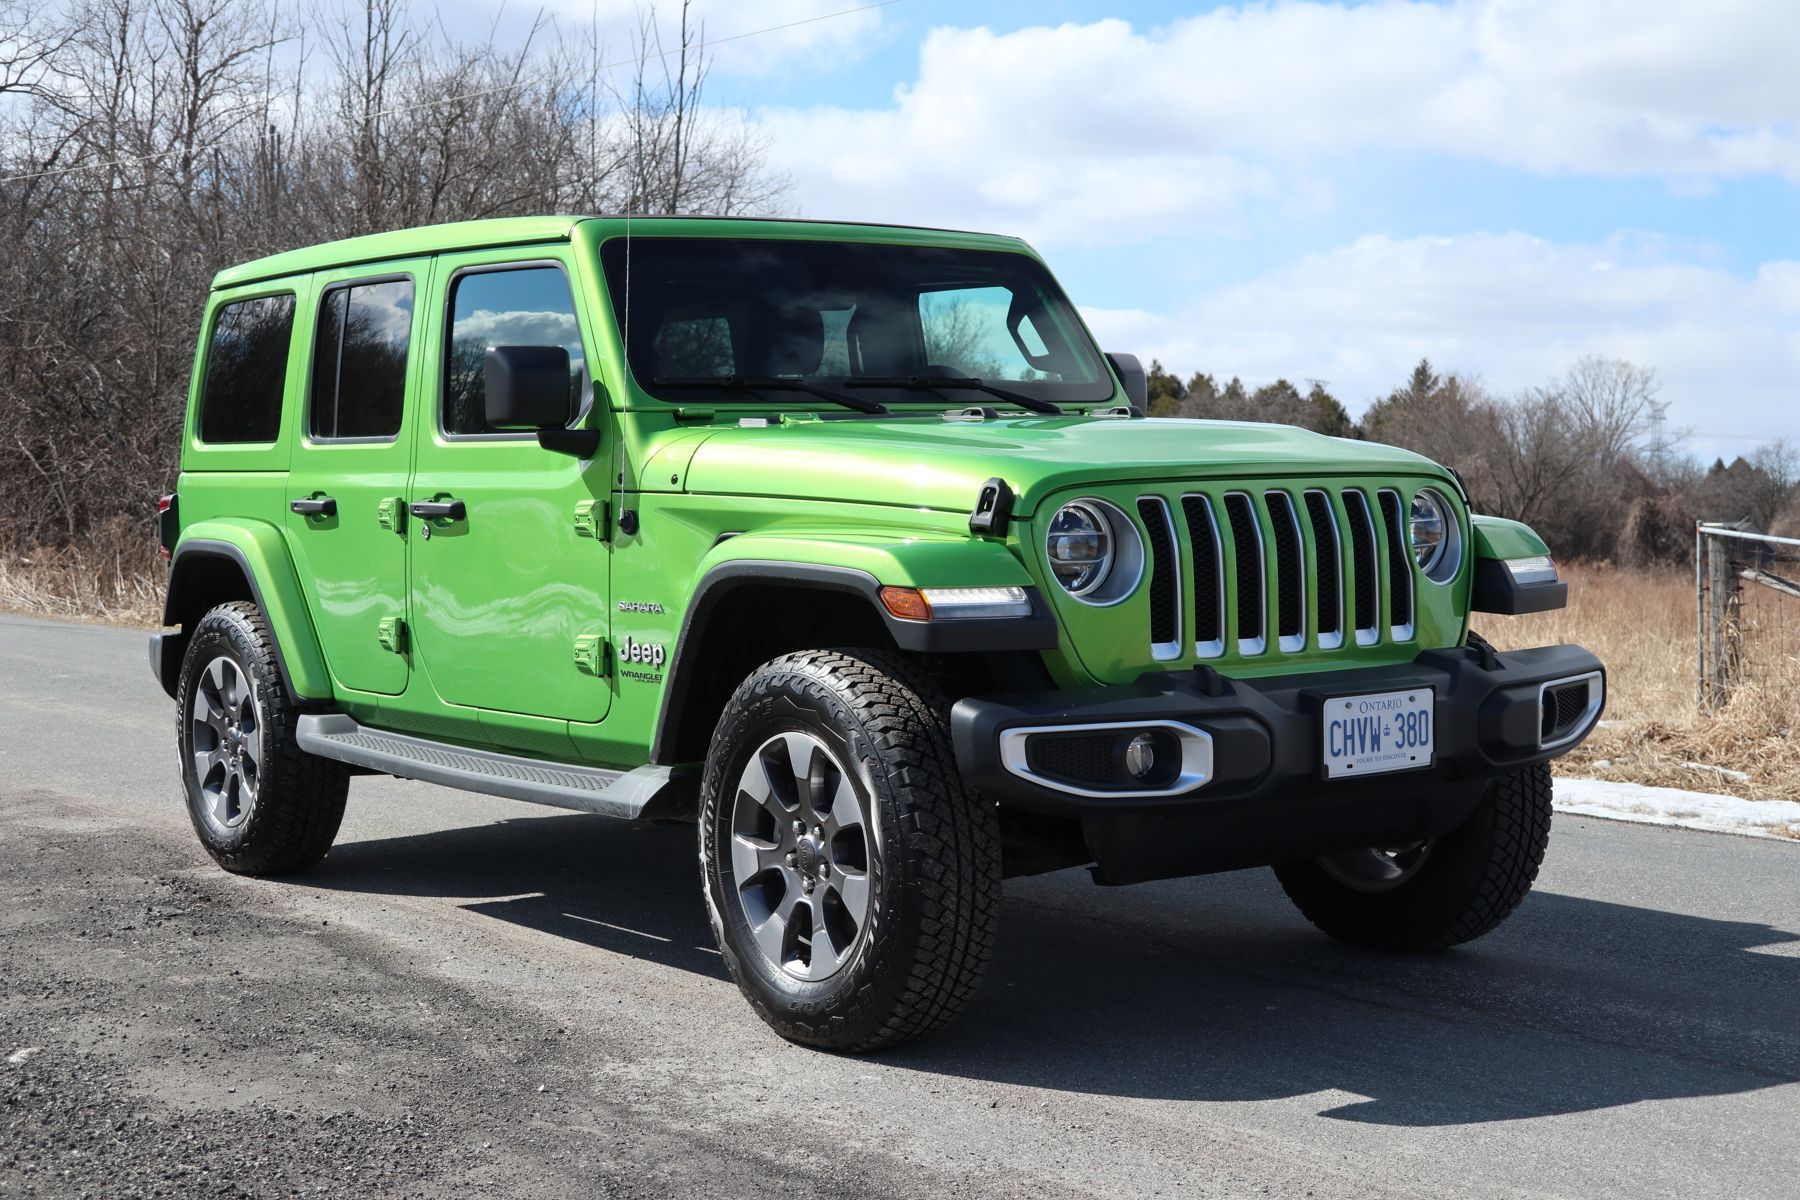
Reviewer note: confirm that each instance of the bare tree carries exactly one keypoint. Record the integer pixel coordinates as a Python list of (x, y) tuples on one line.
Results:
[(145, 144)]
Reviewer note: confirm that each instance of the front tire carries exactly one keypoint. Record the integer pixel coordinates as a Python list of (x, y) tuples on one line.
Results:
[(259, 803), (1435, 894), (853, 885)]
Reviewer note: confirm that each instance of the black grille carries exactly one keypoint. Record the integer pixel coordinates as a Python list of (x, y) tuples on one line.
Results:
[(1209, 622), (1165, 568), (1362, 545), (1326, 568), (1290, 584), (1249, 567), (1076, 757), (1399, 558), (1563, 708)]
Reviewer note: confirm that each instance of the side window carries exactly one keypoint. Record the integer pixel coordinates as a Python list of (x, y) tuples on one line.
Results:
[(246, 370), (359, 360), (525, 306)]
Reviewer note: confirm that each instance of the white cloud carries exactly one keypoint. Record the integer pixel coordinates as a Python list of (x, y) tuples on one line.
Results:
[(1066, 131), (1513, 309)]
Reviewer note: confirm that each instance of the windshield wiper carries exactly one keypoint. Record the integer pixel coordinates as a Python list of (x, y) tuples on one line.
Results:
[(772, 383), (942, 383)]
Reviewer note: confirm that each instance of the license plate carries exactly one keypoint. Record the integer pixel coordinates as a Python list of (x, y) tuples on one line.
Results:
[(1377, 733)]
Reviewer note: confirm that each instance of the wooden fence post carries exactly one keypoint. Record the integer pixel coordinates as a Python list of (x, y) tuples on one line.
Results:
[(1722, 622)]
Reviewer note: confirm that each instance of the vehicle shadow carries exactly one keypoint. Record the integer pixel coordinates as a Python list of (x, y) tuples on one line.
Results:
[(1214, 989)]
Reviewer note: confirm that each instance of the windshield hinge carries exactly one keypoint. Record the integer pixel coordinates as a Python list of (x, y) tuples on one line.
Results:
[(593, 519), (593, 656), (993, 509)]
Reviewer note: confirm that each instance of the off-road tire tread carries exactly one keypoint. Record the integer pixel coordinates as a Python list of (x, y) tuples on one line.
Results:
[(300, 796), (1478, 874), (949, 838)]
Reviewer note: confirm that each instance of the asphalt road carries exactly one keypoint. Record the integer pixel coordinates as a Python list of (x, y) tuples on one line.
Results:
[(474, 997)]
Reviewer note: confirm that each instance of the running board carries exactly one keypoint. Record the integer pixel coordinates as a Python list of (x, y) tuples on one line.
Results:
[(648, 791)]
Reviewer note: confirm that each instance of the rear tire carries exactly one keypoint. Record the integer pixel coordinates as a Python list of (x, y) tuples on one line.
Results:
[(1450, 890), (853, 885), (259, 803)]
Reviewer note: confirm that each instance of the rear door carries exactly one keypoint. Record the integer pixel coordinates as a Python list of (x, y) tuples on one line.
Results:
[(348, 479), (510, 595)]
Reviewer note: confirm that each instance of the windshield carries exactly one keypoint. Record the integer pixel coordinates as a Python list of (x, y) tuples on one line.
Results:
[(880, 319)]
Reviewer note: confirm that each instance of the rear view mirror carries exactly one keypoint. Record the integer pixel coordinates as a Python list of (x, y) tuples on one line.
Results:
[(1131, 373), (527, 387)]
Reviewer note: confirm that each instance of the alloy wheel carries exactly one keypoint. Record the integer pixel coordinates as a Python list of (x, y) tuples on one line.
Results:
[(801, 848)]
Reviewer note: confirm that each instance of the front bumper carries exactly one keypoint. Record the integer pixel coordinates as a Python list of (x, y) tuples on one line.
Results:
[(1263, 796)]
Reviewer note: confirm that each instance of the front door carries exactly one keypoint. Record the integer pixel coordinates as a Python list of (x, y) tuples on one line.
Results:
[(347, 481), (509, 595)]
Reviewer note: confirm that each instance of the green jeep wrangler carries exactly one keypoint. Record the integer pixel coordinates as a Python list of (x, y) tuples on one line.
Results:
[(845, 543)]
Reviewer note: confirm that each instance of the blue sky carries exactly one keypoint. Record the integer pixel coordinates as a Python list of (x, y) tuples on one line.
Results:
[(1326, 190)]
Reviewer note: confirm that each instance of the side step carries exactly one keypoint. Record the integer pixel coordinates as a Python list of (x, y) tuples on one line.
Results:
[(648, 791)]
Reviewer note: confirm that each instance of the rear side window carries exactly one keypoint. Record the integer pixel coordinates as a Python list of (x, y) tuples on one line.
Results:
[(246, 369), (359, 360), (524, 306)]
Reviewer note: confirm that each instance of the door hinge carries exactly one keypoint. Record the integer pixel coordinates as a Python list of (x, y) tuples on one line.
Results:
[(593, 656), (593, 519), (391, 512), (392, 634)]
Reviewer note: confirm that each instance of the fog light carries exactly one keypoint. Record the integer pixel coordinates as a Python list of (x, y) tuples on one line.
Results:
[(1140, 756)]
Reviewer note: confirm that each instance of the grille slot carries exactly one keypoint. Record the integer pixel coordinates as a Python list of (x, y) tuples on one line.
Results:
[(1362, 547), (1327, 569), (1209, 576), (1251, 573), (1244, 571), (1165, 578), (1399, 566), (1290, 573)]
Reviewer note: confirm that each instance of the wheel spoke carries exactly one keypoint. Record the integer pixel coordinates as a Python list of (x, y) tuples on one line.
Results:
[(221, 799), (771, 934), (846, 807), (853, 889), (825, 955), (750, 858), (816, 785), (204, 762)]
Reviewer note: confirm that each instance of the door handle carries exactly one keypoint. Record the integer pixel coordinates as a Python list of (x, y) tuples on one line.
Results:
[(315, 506), (452, 509)]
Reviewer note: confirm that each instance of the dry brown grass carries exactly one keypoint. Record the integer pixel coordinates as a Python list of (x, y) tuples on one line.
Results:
[(1641, 624), (113, 575)]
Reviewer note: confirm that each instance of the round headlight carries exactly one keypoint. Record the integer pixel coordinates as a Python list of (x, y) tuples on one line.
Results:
[(1080, 547), (1431, 528)]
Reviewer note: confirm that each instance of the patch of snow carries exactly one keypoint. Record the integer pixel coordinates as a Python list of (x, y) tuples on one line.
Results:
[(1674, 806)]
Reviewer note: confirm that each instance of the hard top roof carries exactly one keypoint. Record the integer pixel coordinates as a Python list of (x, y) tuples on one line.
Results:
[(515, 231)]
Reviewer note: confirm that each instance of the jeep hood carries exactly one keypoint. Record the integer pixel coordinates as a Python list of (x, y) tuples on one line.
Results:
[(929, 462)]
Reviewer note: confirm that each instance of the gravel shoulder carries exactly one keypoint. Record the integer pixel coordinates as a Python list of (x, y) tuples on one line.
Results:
[(169, 1032)]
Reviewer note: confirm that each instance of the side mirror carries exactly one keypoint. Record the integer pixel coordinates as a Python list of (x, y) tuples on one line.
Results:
[(527, 387), (1131, 373)]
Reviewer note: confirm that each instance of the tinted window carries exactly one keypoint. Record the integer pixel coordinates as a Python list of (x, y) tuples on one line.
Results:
[(246, 368), (705, 309), (359, 360), (530, 306)]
